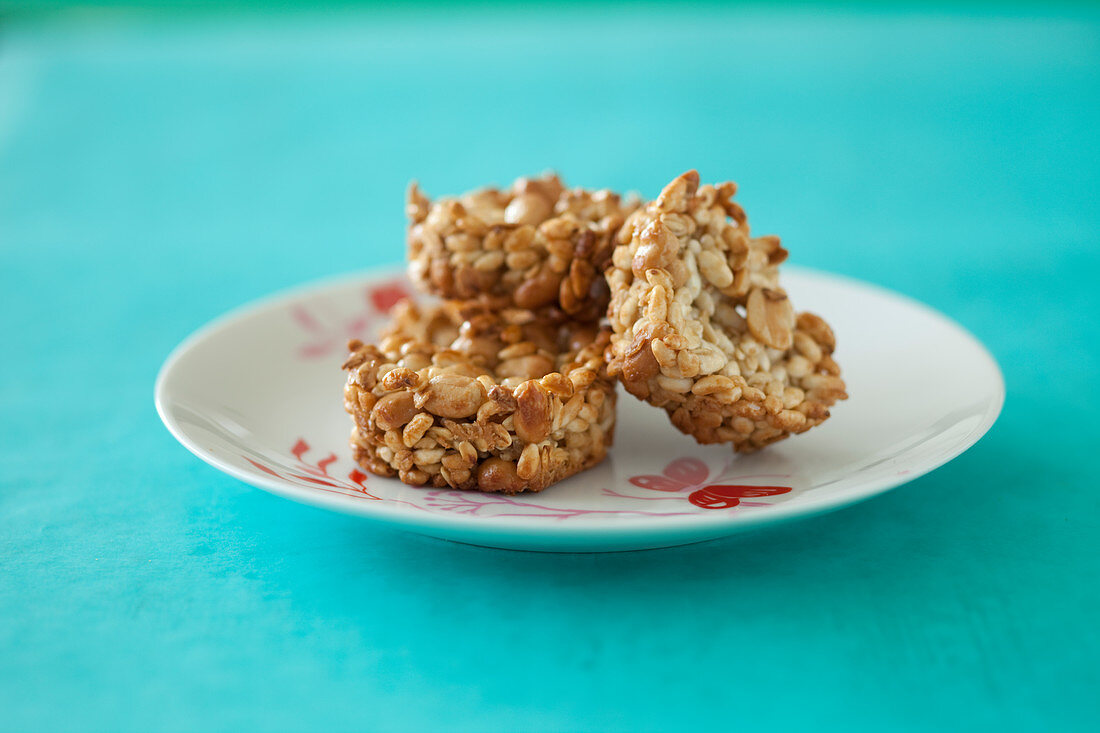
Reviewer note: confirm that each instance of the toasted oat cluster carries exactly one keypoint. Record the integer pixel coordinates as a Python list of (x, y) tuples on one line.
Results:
[(536, 243), (465, 395), (702, 328)]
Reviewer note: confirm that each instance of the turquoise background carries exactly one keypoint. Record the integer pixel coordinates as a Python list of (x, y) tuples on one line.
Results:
[(157, 169)]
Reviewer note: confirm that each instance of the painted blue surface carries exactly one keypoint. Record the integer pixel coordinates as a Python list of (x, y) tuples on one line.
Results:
[(155, 172)]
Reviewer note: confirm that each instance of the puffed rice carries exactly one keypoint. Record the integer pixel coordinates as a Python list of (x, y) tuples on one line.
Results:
[(702, 328), (536, 244), (462, 395)]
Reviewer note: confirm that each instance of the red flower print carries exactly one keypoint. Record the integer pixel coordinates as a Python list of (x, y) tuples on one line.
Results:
[(683, 478), (680, 474), (691, 474), (726, 497), (328, 330), (385, 296), (316, 474)]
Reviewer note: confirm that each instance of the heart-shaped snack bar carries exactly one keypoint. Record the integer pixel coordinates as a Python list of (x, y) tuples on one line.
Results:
[(702, 328), (536, 244), (472, 396)]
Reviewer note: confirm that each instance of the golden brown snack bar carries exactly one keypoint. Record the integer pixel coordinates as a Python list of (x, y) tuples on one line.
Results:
[(535, 243), (702, 328), (475, 397)]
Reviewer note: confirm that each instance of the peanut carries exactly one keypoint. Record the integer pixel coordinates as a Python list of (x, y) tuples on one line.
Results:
[(451, 395), (532, 415), (393, 410), (527, 208), (497, 474)]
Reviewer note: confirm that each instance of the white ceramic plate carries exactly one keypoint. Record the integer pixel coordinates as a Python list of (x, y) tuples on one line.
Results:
[(258, 395)]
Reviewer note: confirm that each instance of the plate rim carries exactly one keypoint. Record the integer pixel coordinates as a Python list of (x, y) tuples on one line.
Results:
[(531, 527)]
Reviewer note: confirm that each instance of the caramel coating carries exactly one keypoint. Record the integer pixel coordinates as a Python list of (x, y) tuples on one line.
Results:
[(535, 244), (702, 328), (477, 397)]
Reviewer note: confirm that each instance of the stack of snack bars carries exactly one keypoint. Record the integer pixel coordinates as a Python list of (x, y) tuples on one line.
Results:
[(551, 295)]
